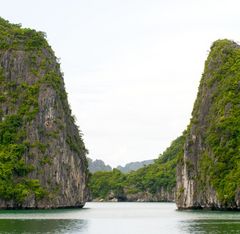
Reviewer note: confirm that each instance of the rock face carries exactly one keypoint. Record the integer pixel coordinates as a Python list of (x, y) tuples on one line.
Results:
[(42, 155), (208, 175)]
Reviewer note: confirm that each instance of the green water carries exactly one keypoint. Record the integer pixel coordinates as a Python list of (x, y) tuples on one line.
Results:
[(120, 218)]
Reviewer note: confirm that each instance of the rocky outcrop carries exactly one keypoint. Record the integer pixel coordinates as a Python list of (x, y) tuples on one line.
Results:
[(42, 155), (208, 174)]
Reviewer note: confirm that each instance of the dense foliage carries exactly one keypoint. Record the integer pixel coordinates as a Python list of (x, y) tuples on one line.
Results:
[(27, 67), (152, 178), (103, 183), (19, 106), (13, 36), (14, 184), (220, 163)]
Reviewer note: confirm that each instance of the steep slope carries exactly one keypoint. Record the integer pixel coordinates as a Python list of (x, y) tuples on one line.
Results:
[(42, 155), (209, 173)]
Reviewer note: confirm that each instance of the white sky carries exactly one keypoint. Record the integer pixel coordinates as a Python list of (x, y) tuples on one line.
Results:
[(132, 67)]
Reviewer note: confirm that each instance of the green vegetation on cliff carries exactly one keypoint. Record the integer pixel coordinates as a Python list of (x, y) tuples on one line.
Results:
[(21, 101), (212, 153), (13, 36), (13, 145), (220, 163), (161, 175), (35, 119)]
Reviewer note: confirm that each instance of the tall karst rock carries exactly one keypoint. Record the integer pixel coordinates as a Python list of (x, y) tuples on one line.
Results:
[(208, 175), (42, 155)]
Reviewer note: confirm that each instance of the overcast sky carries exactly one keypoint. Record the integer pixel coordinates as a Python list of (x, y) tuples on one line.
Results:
[(132, 67)]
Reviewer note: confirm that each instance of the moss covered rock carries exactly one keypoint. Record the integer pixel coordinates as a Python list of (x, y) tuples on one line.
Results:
[(209, 171), (42, 155)]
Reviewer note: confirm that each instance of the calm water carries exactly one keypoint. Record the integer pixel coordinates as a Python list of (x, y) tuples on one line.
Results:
[(120, 218)]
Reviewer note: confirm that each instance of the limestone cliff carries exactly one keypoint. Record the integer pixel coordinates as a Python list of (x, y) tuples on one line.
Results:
[(208, 175), (42, 155)]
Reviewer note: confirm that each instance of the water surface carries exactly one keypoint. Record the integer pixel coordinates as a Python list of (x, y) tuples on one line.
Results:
[(119, 218)]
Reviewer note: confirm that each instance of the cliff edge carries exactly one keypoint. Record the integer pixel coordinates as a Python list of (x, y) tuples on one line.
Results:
[(208, 174), (42, 154)]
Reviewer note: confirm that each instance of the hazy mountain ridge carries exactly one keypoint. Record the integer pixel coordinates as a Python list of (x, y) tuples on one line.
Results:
[(133, 166), (154, 182), (97, 165)]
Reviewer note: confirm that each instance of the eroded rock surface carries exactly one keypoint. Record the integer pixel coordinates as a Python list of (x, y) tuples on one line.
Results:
[(208, 174), (42, 154)]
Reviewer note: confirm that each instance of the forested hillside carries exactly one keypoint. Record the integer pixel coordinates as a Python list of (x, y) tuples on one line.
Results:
[(155, 182)]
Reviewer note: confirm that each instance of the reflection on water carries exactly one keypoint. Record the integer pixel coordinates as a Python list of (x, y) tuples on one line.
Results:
[(16, 226), (119, 218), (211, 226)]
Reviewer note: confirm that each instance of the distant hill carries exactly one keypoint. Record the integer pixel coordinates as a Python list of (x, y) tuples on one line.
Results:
[(133, 166), (97, 165), (154, 182)]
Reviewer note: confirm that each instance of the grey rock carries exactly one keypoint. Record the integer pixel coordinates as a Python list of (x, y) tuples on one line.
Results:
[(64, 176)]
